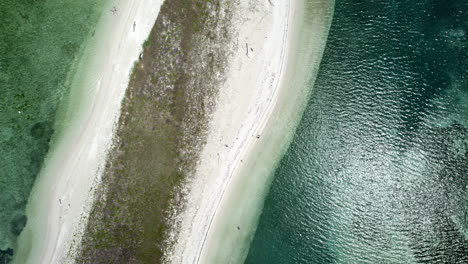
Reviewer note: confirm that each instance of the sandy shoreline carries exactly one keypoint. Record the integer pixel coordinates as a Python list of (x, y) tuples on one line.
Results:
[(264, 95), (244, 105), (61, 194)]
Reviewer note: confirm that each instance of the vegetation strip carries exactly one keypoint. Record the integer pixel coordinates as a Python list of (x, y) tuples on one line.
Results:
[(161, 131)]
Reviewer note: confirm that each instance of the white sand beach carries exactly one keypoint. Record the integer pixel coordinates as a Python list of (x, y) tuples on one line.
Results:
[(61, 194), (258, 109)]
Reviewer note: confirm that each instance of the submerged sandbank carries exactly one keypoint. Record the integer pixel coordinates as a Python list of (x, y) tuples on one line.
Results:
[(243, 198), (60, 197), (258, 110)]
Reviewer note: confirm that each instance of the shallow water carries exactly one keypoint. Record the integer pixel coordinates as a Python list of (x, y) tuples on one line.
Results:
[(39, 42), (378, 169)]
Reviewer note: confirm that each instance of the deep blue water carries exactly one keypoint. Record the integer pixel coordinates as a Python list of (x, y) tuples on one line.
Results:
[(378, 169)]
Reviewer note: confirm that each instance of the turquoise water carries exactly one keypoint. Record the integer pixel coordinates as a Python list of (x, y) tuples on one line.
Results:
[(39, 41), (378, 169)]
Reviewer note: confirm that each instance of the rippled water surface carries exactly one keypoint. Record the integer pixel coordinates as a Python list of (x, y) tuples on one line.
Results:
[(378, 169)]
